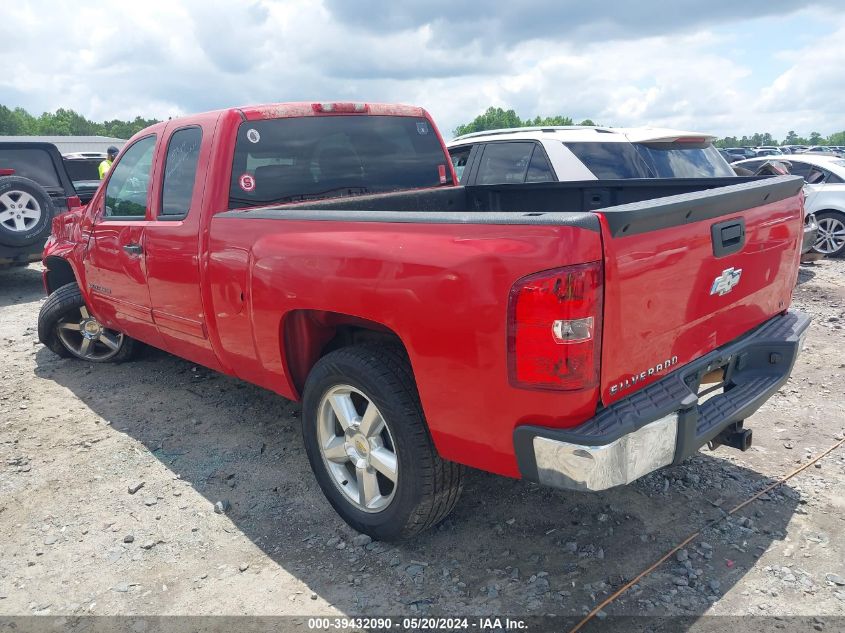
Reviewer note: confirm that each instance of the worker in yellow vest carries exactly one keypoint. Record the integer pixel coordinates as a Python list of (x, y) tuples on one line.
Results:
[(111, 154)]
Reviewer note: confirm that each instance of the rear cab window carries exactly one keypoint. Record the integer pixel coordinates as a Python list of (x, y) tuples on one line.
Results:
[(304, 158)]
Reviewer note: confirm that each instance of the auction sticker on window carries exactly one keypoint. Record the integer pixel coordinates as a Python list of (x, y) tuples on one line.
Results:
[(247, 182), (252, 135)]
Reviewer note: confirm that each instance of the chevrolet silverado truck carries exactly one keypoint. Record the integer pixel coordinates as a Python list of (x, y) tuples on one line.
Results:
[(576, 334)]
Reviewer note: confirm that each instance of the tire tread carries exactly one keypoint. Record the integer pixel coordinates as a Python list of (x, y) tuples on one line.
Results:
[(440, 481), (61, 300)]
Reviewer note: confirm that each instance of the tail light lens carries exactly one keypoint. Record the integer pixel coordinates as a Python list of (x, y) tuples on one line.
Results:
[(554, 328), (73, 202)]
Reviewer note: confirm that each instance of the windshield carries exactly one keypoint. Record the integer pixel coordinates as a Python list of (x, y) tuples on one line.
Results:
[(286, 160)]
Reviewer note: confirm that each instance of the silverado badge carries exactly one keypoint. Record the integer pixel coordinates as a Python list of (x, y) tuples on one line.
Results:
[(725, 282)]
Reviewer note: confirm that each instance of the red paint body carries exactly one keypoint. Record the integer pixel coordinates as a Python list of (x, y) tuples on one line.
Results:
[(259, 298)]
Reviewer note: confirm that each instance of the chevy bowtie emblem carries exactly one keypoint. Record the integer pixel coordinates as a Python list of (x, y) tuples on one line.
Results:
[(725, 282)]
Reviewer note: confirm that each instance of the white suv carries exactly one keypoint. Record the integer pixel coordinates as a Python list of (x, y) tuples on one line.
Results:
[(544, 154)]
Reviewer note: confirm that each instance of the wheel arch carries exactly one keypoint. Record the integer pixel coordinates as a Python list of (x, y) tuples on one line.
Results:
[(59, 273), (308, 335), (830, 210)]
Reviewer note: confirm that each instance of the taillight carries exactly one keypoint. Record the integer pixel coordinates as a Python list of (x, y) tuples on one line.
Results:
[(554, 328), (73, 202)]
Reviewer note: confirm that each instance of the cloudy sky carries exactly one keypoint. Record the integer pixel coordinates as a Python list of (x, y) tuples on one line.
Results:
[(719, 66)]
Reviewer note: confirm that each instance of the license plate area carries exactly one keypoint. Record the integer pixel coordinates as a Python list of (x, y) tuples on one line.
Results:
[(712, 380)]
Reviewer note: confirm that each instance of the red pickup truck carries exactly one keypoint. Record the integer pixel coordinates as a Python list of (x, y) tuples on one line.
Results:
[(578, 334)]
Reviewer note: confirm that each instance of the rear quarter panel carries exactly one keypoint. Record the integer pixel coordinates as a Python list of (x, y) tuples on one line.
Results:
[(442, 288)]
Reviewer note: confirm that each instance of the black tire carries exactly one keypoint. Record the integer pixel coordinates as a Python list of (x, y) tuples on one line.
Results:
[(428, 486), (836, 216), (12, 188), (63, 303)]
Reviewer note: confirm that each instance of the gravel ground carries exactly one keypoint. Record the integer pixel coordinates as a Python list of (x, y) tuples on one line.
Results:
[(109, 478)]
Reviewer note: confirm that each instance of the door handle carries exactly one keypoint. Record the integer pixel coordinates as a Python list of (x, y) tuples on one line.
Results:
[(133, 249), (728, 237)]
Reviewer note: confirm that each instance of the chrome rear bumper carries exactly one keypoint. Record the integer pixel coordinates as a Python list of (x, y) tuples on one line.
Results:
[(666, 421), (579, 467)]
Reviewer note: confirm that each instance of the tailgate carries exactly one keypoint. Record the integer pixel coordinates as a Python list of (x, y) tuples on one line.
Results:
[(686, 274)]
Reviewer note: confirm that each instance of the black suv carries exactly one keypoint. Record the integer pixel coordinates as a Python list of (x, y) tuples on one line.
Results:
[(34, 187)]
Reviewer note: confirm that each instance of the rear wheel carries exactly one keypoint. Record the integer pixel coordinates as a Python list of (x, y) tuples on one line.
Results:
[(831, 236), (369, 446), (68, 328)]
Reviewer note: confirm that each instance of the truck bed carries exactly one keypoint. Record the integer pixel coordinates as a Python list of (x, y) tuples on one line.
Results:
[(548, 203)]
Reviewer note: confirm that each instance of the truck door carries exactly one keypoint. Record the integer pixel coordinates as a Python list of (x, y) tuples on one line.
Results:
[(172, 242), (114, 261)]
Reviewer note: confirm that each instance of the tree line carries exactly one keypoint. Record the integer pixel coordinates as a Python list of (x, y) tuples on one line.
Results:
[(792, 138), (65, 122), (498, 118)]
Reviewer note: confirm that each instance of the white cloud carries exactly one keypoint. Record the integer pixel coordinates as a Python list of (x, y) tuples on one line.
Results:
[(166, 57)]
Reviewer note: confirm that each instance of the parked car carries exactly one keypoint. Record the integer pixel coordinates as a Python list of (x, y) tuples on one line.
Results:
[(517, 330), (34, 186), (742, 152), (583, 153), (82, 167), (730, 158), (776, 166), (824, 198), (822, 149), (767, 151)]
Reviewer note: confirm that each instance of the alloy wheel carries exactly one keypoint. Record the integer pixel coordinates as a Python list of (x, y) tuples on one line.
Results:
[(831, 235), (357, 448), (19, 211), (86, 338)]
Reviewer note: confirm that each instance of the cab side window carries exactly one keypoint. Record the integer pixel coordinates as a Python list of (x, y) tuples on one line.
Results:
[(180, 173), (127, 191)]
